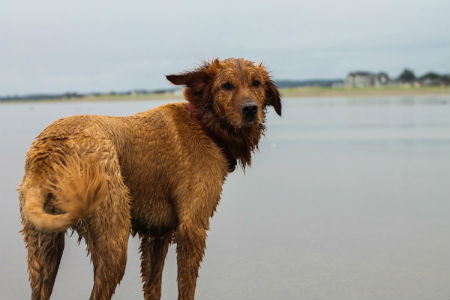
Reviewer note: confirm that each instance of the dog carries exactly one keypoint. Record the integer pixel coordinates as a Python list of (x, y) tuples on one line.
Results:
[(157, 174)]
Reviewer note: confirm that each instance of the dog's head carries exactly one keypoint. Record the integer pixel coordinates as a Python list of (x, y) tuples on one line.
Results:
[(236, 90)]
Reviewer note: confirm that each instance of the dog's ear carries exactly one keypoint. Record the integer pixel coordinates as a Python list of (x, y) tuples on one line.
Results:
[(197, 82), (273, 96), (195, 79), (272, 93)]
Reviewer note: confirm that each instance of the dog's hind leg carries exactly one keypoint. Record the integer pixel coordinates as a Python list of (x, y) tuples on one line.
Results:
[(153, 253), (44, 254), (109, 257), (108, 248), (107, 236)]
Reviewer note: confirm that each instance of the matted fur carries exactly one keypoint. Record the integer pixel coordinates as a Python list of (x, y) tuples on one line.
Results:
[(77, 187), (157, 174)]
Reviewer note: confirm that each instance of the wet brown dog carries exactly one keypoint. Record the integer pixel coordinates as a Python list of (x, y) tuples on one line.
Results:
[(158, 173)]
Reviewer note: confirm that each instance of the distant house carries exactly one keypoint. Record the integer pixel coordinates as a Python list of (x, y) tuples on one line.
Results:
[(434, 79), (363, 79)]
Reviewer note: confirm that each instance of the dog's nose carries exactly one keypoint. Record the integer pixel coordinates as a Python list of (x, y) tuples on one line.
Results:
[(249, 109)]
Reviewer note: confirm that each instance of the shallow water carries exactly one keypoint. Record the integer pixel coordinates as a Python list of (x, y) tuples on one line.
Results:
[(348, 198)]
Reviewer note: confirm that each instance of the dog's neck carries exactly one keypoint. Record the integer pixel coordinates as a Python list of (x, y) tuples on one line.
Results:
[(237, 144), (216, 139)]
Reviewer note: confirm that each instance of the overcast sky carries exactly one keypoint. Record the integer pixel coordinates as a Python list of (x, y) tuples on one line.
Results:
[(90, 45)]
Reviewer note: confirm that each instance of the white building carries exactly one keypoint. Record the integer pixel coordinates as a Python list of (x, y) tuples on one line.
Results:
[(363, 79)]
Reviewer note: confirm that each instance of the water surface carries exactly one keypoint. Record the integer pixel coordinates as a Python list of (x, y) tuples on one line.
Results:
[(348, 198)]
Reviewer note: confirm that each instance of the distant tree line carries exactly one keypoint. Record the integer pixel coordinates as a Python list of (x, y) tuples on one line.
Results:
[(430, 78), (31, 97), (74, 95)]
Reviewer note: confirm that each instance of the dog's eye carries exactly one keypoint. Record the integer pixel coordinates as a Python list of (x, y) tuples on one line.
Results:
[(256, 83), (227, 86)]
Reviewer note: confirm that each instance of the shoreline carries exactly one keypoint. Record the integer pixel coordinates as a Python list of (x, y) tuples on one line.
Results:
[(298, 92), (361, 92)]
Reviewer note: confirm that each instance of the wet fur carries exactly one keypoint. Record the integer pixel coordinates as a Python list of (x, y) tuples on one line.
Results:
[(156, 174)]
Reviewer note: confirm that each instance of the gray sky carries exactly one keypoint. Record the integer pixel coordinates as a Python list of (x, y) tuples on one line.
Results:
[(86, 45)]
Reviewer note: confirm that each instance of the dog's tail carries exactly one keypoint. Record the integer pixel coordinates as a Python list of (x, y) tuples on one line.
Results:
[(75, 188)]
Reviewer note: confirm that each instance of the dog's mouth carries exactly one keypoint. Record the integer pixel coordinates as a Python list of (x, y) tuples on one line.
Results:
[(249, 121)]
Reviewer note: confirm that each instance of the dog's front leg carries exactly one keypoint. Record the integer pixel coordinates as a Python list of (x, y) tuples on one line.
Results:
[(190, 248)]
